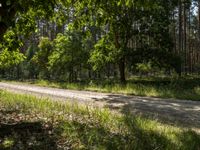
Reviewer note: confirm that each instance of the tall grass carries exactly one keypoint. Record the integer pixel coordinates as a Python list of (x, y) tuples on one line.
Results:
[(76, 126)]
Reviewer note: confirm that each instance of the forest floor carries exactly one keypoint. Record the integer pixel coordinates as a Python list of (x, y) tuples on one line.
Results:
[(182, 113)]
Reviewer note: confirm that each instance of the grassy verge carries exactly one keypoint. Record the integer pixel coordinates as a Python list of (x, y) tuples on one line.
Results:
[(177, 88), (30, 123)]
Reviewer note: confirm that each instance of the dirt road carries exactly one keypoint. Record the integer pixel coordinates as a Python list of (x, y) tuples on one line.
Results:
[(179, 112)]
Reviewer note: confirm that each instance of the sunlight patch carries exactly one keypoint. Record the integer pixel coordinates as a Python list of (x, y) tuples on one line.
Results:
[(8, 142)]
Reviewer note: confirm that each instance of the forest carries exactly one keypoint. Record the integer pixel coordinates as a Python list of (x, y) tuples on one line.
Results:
[(74, 41), (99, 74)]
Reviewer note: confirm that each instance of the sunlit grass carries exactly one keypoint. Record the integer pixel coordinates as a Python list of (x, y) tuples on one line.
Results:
[(85, 127), (7, 143)]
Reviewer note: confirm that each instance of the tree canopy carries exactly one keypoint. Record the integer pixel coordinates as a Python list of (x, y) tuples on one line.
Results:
[(79, 39)]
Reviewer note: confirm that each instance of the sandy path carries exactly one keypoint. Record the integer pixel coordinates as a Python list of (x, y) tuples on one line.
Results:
[(181, 112)]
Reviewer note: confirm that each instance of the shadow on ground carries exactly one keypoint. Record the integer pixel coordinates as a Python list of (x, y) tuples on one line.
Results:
[(25, 136), (181, 113)]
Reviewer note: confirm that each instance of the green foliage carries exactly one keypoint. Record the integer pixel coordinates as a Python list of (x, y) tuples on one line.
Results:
[(10, 58), (22, 14), (104, 52), (93, 39), (144, 68), (41, 57), (29, 64), (26, 22), (9, 50), (11, 41), (61, 53), (117, 19), (67, 53)]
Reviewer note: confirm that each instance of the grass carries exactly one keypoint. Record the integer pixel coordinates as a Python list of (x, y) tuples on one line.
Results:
[(176, 88), (27, 122)]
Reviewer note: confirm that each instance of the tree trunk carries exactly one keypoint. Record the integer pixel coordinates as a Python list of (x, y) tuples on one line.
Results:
[(189, 44), (180, 43), (185, 37), (122, 70), (199, 18), (121, 61)]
